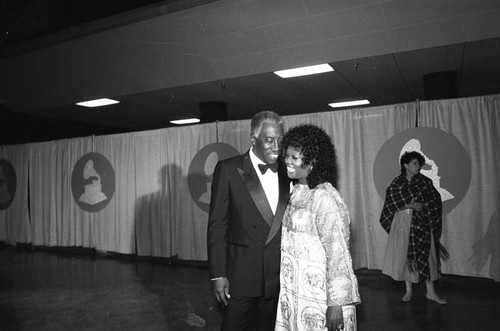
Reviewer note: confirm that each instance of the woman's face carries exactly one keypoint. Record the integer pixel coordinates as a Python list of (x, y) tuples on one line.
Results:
[(294, 166), (412, 168)]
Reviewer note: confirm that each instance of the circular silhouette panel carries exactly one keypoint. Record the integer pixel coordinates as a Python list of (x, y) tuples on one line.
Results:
[(8, 184), (446, 163), (93, 182), (201, 171)]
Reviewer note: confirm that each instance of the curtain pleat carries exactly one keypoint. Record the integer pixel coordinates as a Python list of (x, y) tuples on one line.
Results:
[(15, 220), (471, 231), (191, 221), (56, 220), (114, 225)]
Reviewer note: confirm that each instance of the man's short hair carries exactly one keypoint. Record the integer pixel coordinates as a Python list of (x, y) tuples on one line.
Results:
[(259, 119)]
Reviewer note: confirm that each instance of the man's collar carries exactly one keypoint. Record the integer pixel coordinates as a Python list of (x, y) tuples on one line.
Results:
[(255, 159)]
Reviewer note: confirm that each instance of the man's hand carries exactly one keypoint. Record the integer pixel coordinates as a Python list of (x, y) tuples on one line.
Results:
[(334, 318), (220, 289)]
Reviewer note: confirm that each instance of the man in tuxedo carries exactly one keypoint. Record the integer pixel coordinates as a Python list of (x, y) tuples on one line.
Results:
[(249, 197)]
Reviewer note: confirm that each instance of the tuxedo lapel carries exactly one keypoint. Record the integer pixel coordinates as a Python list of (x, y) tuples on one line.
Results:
[(252, 182), (282, 204)]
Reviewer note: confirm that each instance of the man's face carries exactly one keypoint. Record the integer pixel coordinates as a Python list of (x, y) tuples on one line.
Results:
[(267, 145)]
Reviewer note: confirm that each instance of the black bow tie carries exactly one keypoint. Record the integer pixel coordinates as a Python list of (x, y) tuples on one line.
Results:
[(263, 167)]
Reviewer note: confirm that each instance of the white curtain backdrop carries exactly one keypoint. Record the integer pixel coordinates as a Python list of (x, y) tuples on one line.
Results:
[(15, 220), (191, 219), (471, 231), (114, 225), (152, 211), (56, 220), (155, 222)]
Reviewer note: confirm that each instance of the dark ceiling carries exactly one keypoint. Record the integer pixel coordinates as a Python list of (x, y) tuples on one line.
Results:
[(25, 20), (456, 70)]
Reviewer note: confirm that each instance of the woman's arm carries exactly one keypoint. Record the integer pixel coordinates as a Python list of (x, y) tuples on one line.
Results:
[(332, 221)]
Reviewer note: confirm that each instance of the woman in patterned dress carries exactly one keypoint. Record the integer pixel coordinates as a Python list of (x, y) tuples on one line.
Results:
[(318, 290), (412, 216)]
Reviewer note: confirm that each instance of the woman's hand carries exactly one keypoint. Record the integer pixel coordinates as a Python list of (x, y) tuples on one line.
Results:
[(334, 318), (417, 205)]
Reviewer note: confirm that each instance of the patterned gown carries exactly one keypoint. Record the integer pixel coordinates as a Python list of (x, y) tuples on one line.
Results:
[(316, 266)]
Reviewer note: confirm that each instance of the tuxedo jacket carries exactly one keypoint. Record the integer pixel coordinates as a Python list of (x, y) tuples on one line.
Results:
[(244, 236)]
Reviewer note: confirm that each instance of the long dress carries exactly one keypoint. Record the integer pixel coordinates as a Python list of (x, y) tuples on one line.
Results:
[(396, 257), (316, 266)]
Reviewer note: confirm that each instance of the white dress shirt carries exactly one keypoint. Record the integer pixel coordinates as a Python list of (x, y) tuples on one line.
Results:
[(269, 181)]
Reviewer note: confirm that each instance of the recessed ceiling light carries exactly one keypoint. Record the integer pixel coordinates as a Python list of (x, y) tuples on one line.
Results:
[(303, 71), (186, 121), (349, 103), (97, 102)]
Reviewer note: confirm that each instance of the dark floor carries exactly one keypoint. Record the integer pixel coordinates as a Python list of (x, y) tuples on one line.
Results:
[(76, 289)]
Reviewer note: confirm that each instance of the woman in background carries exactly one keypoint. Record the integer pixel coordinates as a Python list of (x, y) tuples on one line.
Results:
[(412, 216), (318, 286)]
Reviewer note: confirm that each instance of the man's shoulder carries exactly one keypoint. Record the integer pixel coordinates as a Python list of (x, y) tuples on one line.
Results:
[(233, 161)]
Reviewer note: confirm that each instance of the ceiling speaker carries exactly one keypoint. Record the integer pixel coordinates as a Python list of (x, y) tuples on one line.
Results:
[(212, 111), (440, 85)]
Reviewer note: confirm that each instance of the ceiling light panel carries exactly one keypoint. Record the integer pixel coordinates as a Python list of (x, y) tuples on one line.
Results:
[(186, 121), (304, 71), (97, 102), (349, 103)]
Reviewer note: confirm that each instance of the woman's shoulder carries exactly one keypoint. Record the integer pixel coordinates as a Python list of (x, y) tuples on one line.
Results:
[(325, 195), (423, 178), (397, 182), (400, 179), (324, 188)]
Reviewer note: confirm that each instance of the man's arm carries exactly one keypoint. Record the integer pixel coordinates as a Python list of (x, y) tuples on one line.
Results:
[(217, 234)]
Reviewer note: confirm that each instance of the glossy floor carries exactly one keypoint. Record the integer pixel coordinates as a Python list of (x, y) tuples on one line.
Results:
[(46, 289)]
